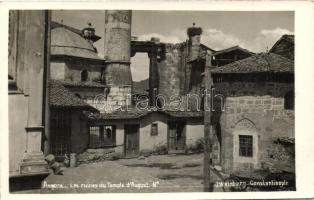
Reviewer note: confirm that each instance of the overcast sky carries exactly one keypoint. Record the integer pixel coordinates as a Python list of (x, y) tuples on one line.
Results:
[(255, 31)]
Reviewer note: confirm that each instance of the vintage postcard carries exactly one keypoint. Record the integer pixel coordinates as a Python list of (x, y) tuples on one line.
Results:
[(119, 100)]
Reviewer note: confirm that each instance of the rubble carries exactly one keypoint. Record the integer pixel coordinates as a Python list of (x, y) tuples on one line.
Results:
[(95, 155)]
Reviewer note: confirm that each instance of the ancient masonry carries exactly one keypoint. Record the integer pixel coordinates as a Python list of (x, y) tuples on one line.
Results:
[(117, 56)]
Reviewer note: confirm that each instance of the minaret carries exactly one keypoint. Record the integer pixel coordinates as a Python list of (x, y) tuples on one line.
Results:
[(194, 34), (117, 50)]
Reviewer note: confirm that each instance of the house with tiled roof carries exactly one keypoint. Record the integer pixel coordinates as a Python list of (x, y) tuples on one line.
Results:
[(75, 73), (259, 109), (68, 125), (258, 63), (229, 55)]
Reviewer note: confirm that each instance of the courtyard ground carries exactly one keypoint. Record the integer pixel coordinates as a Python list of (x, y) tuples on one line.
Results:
[(158, 173)]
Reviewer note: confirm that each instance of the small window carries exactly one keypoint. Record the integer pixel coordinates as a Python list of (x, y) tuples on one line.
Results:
[(84, 76), (109, 137), (289, 100), (246, 145), (154, 129), (102, 136)]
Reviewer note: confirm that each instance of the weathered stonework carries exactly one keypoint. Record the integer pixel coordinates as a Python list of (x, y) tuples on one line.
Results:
[(118, 98), (266, 113), (117, 54)]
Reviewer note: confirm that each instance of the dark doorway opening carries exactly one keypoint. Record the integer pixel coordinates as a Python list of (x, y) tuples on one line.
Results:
[(131, 140), (176, 136)]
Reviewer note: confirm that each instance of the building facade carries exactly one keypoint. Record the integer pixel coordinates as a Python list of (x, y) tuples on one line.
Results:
[(259, 109)]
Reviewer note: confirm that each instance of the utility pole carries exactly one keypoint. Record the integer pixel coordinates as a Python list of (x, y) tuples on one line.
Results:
[(208, 132), (46, 116)]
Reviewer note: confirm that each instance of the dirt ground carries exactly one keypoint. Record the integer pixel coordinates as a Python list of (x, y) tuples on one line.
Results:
[(158, 173)]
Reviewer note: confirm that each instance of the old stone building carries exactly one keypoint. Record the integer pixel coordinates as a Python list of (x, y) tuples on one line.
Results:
[(259, 96), (69, 128)]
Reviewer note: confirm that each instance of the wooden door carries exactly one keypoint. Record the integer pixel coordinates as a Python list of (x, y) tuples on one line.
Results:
[(172, 134), (131, 144), (176, 136), (181, 135)]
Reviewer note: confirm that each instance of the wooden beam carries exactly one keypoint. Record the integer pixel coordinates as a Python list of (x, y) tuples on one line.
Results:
[(208, 133)]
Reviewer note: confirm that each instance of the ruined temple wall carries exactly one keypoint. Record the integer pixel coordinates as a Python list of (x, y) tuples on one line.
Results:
[(169, 71), (179, 77)]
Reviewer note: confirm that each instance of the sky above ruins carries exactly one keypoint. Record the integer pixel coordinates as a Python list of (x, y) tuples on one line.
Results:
[(255, 31)]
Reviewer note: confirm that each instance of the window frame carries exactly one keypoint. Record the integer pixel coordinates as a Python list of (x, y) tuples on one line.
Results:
[(152, 132), (98, 137), (247, 141)]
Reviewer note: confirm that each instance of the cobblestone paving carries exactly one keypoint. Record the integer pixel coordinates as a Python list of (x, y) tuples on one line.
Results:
[(167, 173)]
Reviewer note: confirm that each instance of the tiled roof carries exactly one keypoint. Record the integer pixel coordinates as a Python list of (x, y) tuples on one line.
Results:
[(284, 46), (232, 49), (262, 62), (185, 114), (131, 114), (61, 97), (83, 84), (136, 114)]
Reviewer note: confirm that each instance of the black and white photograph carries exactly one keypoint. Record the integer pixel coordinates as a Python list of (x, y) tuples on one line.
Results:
[(151, 101)]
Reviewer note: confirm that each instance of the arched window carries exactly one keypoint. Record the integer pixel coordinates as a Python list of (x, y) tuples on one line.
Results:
[(84, 75), (289, 100)]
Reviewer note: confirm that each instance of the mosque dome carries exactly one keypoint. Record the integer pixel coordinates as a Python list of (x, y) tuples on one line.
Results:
[(65, 42)]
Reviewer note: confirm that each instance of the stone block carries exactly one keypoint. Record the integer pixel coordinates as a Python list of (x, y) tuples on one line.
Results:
[(249, 102), (258, 102), (267, 102), (245, 110), (230, 110), (229, 101), (279, 102), (267, 107)]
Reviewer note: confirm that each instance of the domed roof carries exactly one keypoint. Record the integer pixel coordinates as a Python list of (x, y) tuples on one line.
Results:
[(68, 43)]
